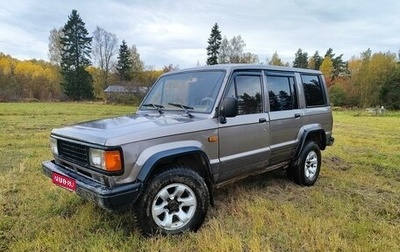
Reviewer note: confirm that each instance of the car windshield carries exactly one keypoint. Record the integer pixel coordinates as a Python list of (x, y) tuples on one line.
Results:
[(195, 91)]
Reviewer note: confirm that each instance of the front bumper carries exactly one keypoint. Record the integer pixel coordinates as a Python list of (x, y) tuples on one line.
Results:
[(107, 198)]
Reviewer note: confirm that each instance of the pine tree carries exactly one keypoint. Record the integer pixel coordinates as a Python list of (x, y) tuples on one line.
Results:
[(75, 57), (300, 59), (124, 64), (317, 59), (214, 43), (339, 66)]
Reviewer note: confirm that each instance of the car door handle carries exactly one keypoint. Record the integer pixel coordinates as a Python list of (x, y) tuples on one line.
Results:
[(297, 115), (262, 120)]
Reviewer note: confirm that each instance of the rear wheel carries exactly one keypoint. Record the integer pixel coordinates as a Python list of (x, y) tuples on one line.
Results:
[(305, 170), (174, 201)]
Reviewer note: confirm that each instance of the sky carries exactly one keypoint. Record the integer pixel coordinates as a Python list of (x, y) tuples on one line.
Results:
[(176, 31)]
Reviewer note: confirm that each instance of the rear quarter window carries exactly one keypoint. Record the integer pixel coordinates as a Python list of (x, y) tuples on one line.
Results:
[(314, 90), (281, 92)]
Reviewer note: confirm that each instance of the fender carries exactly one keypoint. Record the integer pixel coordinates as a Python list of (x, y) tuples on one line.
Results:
[(304, 137), (151, 156)]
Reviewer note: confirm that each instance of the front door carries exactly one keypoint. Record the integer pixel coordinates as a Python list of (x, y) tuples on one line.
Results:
[(244, 139)]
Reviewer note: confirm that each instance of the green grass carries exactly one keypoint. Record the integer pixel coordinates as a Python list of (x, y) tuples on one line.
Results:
[(354, 206)]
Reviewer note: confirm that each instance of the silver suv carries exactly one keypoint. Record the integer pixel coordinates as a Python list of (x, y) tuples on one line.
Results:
[(196, 130)]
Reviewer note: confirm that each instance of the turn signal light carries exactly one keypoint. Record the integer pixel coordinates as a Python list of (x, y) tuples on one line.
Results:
[(108, 160), (112, 161)]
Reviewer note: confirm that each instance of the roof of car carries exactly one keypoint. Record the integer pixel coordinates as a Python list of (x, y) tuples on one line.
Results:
[(232, 67)]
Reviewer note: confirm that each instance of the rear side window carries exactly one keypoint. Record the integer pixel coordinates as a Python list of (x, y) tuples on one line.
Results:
[(314, 92), (247, 89), (282, 94)]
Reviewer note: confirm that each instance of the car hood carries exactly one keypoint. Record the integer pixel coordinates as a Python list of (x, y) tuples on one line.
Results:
[(129, 128)]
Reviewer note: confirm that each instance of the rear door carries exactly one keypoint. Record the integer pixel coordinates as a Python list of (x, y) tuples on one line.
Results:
[(285, 115), (244, 139)]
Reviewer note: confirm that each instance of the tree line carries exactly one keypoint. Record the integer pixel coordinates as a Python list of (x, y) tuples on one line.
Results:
[(72, 49), (369, 80), (81, 67), (28, 80)]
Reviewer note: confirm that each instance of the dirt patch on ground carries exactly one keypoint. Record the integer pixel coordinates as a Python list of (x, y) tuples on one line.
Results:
[(337, 163)]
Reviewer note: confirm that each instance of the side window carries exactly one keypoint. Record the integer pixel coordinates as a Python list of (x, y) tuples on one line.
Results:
[(247, 89), (282, 93), (313, 90)]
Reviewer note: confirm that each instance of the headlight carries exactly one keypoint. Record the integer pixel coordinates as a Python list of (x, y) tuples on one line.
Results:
[(53, 146), (105, 159)]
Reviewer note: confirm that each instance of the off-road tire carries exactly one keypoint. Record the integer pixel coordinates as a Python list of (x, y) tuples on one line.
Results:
[(173, 201), (305, 170)]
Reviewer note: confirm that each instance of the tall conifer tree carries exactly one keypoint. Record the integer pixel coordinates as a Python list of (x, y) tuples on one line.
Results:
[(75, 57), (317, 59), (300, 59), (339, 66), (124, 64), (214, 43)]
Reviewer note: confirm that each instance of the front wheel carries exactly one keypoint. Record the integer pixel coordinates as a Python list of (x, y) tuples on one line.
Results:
[(174, 201), (305, 170)]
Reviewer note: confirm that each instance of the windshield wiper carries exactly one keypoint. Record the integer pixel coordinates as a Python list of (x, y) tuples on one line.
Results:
[(184, 107), (156, 106)]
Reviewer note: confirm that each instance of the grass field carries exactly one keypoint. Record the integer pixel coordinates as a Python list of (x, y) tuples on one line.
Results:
[(354, 206)]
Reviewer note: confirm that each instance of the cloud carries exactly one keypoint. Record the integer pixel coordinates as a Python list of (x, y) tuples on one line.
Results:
[(176, 32)]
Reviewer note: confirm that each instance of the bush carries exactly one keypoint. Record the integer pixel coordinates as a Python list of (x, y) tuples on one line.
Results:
[(337, 95), (390, 91)]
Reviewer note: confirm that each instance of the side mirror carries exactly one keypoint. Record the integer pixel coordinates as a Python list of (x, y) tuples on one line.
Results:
[(229, 108)]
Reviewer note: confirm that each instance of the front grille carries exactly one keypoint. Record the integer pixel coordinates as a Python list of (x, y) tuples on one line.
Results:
[(73, 152)]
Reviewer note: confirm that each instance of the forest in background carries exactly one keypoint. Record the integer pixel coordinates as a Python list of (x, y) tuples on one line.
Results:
[(39, 80), (373, 79), (369, 80)]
